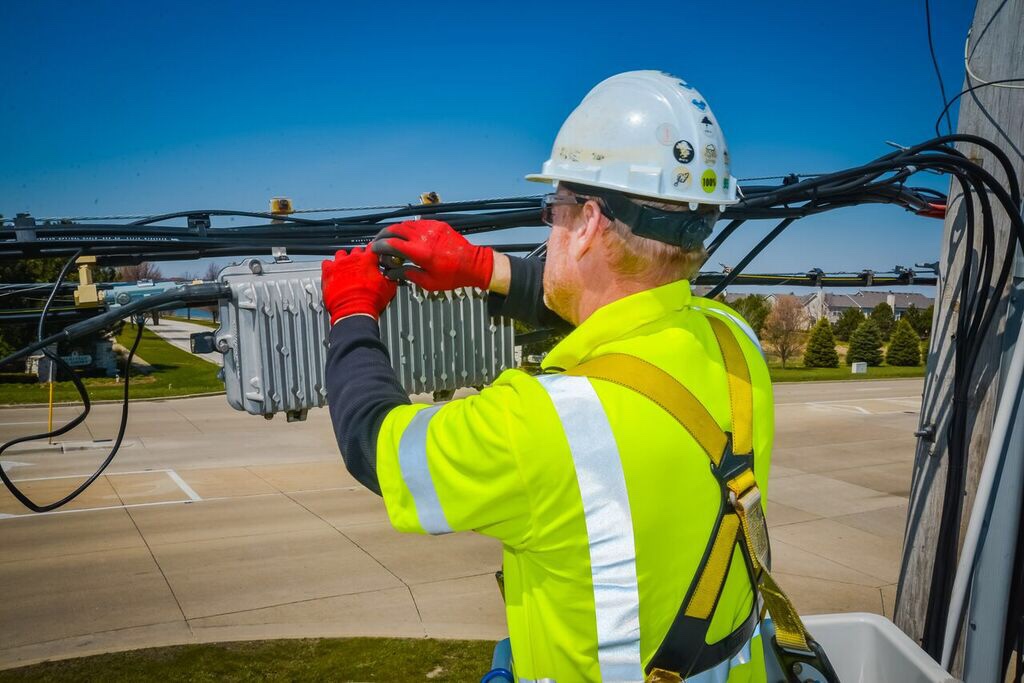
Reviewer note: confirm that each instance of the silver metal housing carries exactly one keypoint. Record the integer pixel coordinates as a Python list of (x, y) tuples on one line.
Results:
[(274, 334)]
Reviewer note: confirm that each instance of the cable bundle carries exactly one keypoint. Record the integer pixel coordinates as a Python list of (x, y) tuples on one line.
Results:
[(882, 181)]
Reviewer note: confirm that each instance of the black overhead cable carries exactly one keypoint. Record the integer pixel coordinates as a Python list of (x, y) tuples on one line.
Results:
[(938, 72)]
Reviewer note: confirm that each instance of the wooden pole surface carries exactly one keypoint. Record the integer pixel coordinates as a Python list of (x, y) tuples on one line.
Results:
[(996, 51)]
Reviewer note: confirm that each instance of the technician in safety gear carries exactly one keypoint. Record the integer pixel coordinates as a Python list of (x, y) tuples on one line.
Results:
[(625, 481)]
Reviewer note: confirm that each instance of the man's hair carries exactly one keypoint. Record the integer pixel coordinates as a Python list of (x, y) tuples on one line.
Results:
[(655, 261)]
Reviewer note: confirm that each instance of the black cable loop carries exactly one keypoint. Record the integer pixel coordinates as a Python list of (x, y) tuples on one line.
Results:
[(77, 420)]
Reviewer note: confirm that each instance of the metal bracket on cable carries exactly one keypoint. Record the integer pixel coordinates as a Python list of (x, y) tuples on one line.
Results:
[(87, 293), (23, 228), (906, 275), (280, 206), (200, 222)]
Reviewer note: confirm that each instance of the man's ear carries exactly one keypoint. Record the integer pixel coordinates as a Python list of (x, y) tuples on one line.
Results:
[(592, 224)]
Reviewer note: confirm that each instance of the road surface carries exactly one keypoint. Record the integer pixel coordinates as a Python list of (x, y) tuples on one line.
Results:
[(215, 525)]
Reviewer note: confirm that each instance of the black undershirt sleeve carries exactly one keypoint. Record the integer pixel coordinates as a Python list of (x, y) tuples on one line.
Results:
[(361, 390), (525, 299)]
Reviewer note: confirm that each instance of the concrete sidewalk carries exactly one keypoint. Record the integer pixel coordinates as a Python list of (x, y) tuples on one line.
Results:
[(214, 525)]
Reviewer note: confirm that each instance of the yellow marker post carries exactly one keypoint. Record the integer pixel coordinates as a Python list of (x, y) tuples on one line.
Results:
[(49, 418)]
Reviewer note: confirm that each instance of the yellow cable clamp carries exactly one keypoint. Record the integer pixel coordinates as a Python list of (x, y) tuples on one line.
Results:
[(87, 294)]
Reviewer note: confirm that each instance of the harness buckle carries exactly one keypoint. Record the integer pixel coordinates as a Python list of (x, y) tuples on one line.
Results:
[(657, 675), (801, 666), (745, 498)]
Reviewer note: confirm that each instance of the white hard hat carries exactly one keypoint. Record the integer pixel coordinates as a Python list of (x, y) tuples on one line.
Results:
[(644, 133)]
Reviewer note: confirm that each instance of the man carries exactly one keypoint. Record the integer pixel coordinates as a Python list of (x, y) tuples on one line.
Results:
[(613, 481)]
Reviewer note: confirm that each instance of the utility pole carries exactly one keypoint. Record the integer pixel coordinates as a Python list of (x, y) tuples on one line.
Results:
[(996, 51)]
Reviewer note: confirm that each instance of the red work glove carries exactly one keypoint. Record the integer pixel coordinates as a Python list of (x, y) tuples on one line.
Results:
[(440, 258), (352, 283)]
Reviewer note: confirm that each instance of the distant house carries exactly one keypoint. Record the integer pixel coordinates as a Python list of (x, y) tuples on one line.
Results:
[(833, 305)]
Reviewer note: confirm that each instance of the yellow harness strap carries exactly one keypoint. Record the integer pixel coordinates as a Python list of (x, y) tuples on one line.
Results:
[(789, 628), (712, 576), (663, 389), (741, 396), (660, 387)]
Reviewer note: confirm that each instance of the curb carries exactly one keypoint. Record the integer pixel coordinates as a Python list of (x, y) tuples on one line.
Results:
[(148, 399)]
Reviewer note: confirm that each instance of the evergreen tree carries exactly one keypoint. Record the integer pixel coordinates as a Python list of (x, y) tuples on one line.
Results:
[(904, 349), (913, 316), (920, 320), (883, 317), (926, 321), (865, 345), (849, 321), (755, 309), (821, 347)]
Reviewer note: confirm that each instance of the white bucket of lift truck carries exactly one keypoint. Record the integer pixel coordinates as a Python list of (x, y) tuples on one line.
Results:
[(868, 648)]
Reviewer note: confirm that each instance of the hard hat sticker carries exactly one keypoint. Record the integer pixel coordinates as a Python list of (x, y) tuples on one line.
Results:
[(666, 133), (725, 157), (682, 177), (708, 181), (725, 182), (683, 152), (700, 104), (709, 125), (710, 154)]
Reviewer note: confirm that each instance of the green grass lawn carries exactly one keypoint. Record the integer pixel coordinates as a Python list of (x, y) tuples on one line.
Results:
[(329, 659), (794, 372), (176, 373), (195, 321)]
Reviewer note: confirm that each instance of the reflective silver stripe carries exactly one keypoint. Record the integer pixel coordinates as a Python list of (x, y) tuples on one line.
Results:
[(739, 322), (609, 524), (412, 460), (537, 680), (720, 673)]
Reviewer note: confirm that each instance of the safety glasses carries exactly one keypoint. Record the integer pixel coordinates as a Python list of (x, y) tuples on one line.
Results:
[(549, 201)]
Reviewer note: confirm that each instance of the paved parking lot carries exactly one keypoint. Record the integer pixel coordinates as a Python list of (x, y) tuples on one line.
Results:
[(215, 525)]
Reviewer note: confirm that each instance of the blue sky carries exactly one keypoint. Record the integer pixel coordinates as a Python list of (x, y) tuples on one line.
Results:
[(141, 108)]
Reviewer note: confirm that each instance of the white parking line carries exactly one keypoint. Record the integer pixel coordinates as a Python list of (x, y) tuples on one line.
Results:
[(85, 476), (837, 406), (847, 400), (4, 516), (188, 490), (174, 476)]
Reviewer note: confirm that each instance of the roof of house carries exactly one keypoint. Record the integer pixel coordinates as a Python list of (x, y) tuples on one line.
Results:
[(869, 300), (838, 301)]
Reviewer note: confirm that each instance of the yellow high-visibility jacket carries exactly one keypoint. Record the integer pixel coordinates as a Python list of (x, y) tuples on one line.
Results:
[(603, 501)]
